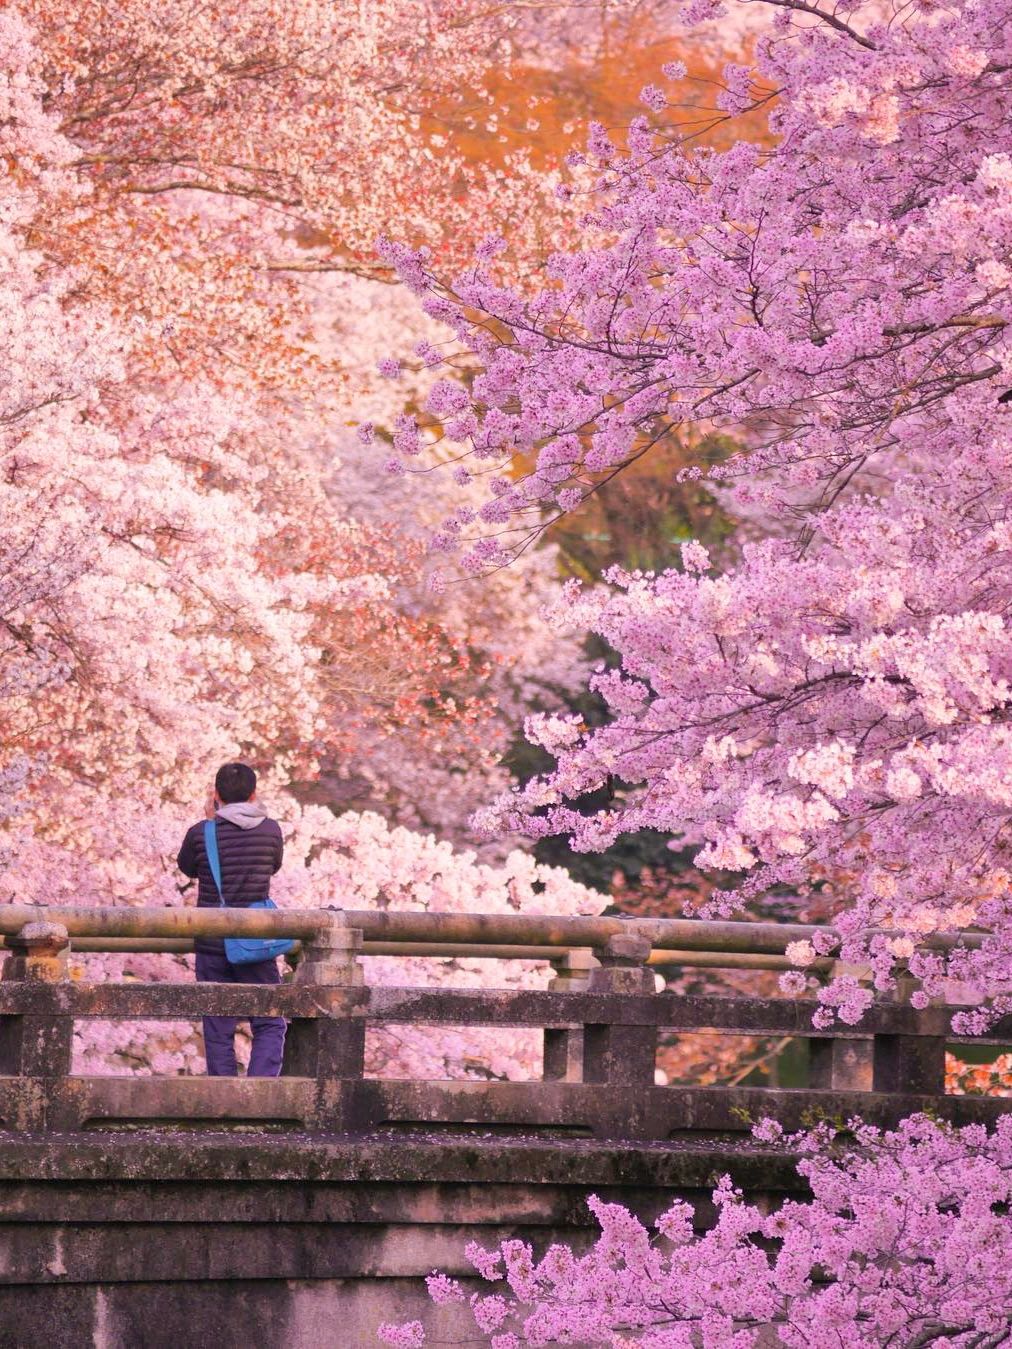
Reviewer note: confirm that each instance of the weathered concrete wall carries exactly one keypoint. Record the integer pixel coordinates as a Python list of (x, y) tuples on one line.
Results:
[(123, 1240), (302, 1211)]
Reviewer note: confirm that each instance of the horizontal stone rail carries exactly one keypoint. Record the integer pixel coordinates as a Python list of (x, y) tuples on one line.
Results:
[(600, 1021), (513, 1008), (504, 929), (176, 1002), (666, 1011), (663, 959), (126, 921)]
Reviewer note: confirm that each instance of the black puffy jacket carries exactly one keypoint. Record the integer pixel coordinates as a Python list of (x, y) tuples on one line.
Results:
[(248, 858)]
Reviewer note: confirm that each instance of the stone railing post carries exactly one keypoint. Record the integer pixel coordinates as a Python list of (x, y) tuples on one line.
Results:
[(563, 1051), (38, 954), (36, 1045), (621, 1055), (331, 1048), (840, 1065), (622, 965), (332, 957), (836, 1064), (908, 1064)]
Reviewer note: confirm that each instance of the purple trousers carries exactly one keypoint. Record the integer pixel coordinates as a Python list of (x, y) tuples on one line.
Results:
[(219, 1031)]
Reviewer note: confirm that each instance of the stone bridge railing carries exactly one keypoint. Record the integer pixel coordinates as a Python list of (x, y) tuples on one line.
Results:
[(600, 1020)]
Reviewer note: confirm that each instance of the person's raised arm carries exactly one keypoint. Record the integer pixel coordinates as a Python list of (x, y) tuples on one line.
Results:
[(187, 859)]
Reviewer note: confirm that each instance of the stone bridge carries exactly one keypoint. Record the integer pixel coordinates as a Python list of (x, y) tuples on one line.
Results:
[(302, 1211)]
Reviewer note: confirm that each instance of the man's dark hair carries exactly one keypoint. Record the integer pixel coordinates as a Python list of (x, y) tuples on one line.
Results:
[(235, 782)]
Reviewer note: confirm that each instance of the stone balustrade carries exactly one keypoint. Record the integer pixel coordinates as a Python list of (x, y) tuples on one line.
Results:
[(600, 1019)]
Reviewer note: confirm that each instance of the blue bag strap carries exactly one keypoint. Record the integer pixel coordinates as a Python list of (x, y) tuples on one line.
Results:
[(211, 848)]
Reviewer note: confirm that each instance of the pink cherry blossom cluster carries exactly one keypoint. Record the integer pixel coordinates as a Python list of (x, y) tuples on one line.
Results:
[(905, 1241), (177, 586), (434, 785), (832, 706)]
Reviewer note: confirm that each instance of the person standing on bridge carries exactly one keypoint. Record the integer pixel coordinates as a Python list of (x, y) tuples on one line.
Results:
[(250, 849)]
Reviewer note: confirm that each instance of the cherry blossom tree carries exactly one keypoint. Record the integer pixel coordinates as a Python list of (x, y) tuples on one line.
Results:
[(833, 706), (228, 152), (830, 708), (525, 661), (176, 587), (213, 166), (164, 545), (188, 575), (904, 1242)]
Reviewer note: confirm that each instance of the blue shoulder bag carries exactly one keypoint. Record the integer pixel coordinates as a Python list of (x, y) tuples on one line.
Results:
[(242, 950)]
